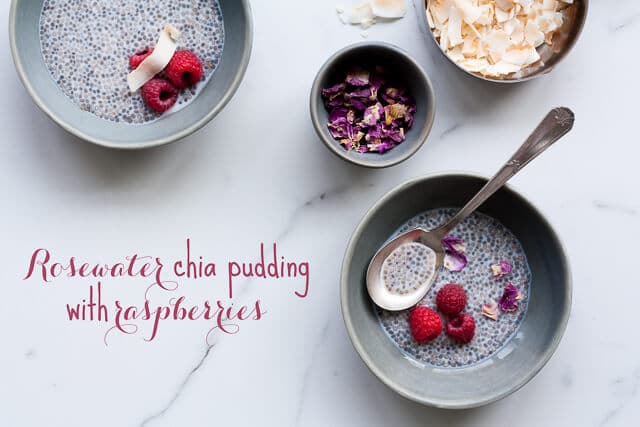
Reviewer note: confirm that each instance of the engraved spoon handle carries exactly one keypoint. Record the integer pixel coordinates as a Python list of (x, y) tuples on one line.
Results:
[(554, 126)]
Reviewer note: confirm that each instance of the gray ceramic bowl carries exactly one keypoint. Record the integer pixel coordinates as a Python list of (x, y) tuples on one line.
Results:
[(407, 71), (551, 56), (539, 335), (25, 45)]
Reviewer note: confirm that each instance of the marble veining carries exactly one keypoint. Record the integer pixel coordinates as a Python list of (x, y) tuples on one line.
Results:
[(629, 21), (625, 390), (450, 130), (615, 207), (307, 373), (259, 166), (180, 389)]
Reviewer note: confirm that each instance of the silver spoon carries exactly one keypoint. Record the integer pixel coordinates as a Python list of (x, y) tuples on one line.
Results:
[(555, 125)]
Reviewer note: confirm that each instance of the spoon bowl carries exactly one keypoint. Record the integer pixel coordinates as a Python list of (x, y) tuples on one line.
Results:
[(554, 126), (393, 301)]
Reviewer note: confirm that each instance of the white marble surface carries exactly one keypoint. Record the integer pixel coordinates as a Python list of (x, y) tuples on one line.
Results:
[(258, 173)]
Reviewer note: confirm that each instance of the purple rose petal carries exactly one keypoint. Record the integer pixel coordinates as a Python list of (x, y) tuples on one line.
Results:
[(338, 113), (453, 244), (373, 114), (501, 269), (334, 90), (509, 300), (454, 260), (358, 77), (366, 113), (358, 104)]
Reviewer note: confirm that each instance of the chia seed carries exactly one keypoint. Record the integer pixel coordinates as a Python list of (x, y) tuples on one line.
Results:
[(408, 267), (86, 47), (487, 242)]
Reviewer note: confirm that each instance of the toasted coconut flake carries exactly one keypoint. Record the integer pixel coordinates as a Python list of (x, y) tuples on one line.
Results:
[(360, 14), (157, 61), (390, 9), (469, 10), (498, 37), (365, 14)]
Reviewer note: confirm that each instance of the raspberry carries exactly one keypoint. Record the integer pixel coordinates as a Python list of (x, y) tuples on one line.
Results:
[(425, 324), (451, 299), (461, 328), (137, 58), (159, 94), (184, 69)]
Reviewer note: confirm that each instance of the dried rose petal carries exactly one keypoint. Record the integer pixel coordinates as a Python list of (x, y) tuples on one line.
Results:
[(363, 93), (366, 114), (395, 112), (454, 260), (490, 310), (376, 81), (396, 135), (381, 147), (373, 114), (500, 269), (338, 113), (333, 91), (453, 244), (357, 103), (509, 301), (337, 101), (358, 77)]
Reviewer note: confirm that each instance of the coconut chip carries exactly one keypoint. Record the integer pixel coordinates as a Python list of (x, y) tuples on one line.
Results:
[(365, 14), (389, 9), (157, 61), (497, 37)]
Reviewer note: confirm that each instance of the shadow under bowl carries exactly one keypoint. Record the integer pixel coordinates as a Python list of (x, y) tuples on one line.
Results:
[(505, 372), (27, 55), (405, 71)]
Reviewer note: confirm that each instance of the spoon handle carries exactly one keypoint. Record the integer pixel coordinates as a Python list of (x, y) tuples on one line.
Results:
[(555, 125)]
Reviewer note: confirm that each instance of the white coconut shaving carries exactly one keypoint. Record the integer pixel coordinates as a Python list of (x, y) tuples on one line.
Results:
[(157, 61), (367, 13), (495, 37), (389, 9)]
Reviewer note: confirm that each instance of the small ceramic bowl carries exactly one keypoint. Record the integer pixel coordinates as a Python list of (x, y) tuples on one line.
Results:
[(407, 72), (551, 55), (25, 45), (549, 301)]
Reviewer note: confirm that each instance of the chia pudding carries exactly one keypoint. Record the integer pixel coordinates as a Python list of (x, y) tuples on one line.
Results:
[(86, 47), (408, 267), (487, 242)]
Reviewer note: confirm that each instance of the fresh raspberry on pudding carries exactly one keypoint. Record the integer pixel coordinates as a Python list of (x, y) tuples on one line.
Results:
[(136, 59), (425, 324), (184, 69), (159, 94), (451, 299), (461, 328)]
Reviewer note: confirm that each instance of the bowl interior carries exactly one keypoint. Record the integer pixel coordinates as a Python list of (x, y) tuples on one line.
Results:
[(406, 72), (550, 55), (212, 98), (520, 359)]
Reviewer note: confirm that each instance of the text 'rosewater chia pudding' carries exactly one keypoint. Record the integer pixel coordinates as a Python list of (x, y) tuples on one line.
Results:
[(477, 302), (89, 48)]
